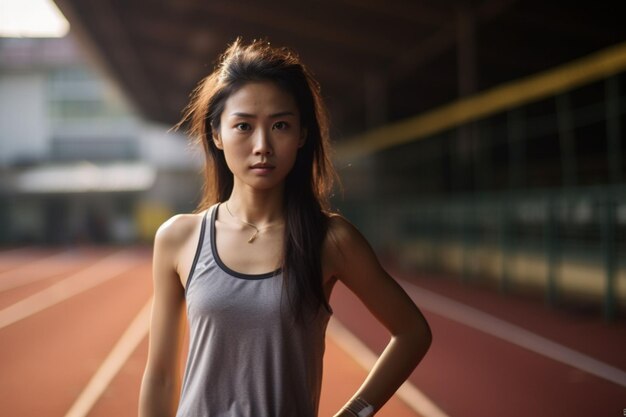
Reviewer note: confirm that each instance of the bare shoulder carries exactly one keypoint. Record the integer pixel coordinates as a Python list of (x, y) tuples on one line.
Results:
[(174, 246), (175, 234), (341, 231), (175, 230), (344, 242)]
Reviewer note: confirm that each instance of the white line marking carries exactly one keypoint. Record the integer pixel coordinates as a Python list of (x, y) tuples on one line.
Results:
[(407, 392), (512, 333), (39, 269), (113, 363), (101, 271)]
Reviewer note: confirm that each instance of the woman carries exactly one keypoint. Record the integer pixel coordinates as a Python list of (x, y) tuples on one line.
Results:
[(254, 267)]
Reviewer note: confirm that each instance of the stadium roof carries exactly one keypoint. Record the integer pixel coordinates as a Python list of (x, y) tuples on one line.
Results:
[(377, 61)]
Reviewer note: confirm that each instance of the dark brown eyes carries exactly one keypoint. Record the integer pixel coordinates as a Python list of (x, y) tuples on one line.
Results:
[(246, 126)]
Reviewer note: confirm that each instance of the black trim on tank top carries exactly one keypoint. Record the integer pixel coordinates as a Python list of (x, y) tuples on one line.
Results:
[(222, 265), (198, 250)]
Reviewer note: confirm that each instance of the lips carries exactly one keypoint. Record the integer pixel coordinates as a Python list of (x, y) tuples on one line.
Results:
[(262, 165)]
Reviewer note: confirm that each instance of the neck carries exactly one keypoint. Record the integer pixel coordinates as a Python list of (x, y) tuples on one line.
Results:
[(259, 207)]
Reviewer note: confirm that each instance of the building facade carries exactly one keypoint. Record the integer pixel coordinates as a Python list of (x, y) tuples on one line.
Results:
[(77, 163)]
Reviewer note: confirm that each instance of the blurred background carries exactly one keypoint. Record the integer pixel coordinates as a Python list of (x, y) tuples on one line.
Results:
[(479, 141), (80, 163), (481, 138)]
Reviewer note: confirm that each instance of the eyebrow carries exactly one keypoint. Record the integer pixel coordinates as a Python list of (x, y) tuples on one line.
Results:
[(252, 116)]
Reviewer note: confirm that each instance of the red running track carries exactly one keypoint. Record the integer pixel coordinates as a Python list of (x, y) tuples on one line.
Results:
[(469, 372), (48, 357)]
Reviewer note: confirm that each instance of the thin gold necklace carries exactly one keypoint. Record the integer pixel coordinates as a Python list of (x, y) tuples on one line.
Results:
[(257, 230)]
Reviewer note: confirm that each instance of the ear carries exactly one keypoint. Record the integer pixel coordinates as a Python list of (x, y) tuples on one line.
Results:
[(303, 133), (217, 140)]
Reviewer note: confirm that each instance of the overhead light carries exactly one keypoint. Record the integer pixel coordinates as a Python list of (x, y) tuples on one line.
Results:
[(31, 19)]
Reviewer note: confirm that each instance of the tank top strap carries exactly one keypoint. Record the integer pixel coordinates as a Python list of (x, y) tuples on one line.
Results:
[(199, 246)]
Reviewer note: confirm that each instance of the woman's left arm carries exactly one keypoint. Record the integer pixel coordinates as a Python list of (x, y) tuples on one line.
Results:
[(358, 268)]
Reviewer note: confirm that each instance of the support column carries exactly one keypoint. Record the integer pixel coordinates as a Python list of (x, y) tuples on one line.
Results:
[(483, 169), (466, 81), (566, 139), (515, 135), (613, 129), (551, 240), (610, 257), (505, 245)]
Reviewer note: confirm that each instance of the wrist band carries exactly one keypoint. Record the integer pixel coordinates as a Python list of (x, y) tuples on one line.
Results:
[(360, 408)]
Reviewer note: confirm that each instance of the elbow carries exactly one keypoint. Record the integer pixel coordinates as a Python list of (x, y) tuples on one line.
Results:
[(428, 336), (421, 335), (417, 336)]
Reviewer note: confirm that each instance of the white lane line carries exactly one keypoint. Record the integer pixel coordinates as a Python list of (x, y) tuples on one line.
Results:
[(39, 269), (113, 363), (101, 271), (407, 392), (512, 333)]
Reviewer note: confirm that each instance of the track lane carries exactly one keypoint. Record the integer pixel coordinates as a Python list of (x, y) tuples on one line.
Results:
[(467, 372), (15, 257), (107, 268), (24, 280), (48, 358), (56, 352), (564, 324), (15, 275), (471, 373)]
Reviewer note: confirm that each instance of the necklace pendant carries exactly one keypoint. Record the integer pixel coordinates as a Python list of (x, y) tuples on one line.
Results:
[(253, 237)]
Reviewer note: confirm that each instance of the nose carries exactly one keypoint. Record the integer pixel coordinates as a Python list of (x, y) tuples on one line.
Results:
[(262, 143)]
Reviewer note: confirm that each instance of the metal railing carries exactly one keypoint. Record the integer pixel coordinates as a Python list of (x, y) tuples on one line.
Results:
[(567, 242)]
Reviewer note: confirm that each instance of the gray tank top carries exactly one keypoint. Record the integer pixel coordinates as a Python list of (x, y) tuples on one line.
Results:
[(246, 357)]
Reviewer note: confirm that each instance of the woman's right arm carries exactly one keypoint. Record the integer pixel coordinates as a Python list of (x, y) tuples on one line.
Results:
[(160, 386)]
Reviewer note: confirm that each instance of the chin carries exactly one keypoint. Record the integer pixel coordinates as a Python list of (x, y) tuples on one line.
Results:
[(264, 184)]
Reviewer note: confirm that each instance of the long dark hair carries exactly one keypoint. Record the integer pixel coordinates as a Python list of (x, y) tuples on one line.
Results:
[(308, 184)]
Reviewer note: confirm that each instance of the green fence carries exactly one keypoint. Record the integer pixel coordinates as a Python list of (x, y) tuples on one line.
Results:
[(566, 242)]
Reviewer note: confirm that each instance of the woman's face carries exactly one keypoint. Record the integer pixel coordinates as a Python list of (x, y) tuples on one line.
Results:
[(260, 124)]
